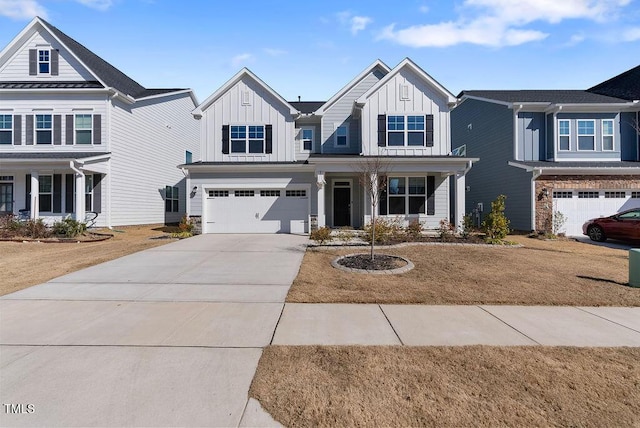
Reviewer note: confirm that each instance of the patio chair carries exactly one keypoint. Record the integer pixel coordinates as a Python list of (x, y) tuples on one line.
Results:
[(90, 218)]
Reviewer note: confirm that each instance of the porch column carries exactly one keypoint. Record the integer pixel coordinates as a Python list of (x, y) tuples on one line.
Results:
[(80, 197), (461, 190), (321, 184), (35, 195)]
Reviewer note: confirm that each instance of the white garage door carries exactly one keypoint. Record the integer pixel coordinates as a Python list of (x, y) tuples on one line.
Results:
[(257, 211), (578, 206)]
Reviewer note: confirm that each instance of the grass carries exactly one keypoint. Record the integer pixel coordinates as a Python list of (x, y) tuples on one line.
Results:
[(26, 264), (563, 272), (449, 386)]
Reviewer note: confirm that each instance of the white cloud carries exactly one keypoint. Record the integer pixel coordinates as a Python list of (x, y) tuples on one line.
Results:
[(275, 52), (354, 22), (631, 35), (499, 23), (240, 59), (101, 5), (22, 9)]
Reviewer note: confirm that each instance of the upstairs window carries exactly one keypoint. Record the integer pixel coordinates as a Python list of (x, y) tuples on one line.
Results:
[(6, 128), (342, 136), (188, 157), (43, 129), (83, 129), (607, 134), (564, 135), (247, 139), (44, 61), (586, 135), (406, 130), (307, 139)]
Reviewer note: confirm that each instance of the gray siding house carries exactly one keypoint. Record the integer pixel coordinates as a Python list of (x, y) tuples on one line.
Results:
[(552, 151), (273, 166)]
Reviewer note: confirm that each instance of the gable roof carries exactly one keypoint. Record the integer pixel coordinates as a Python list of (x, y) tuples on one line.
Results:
[(346, 88), (231, 82), (408, 63), (625, 85), (560, 96), (106, 74)]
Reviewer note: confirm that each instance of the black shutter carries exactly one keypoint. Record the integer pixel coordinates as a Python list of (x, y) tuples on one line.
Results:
[(68, 193), (97, 192), (268, 139), (429, 129), (97, 129), (431, 195), (57, 130), (382, 130), (27, 193), (68, 129), (57, 193), (225, 139), (29, 130), (54, 62), (382, 203), (33, 62), (17, 129)]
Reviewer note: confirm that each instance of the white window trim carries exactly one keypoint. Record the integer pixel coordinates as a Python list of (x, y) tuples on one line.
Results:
[(335, 135), (404, 92), (406, 195), (407, 130), (38, 62), (578, 135), (246, 140), (88, 179), (612, 135), (302, 139), (75, 129), (36, 129), (8, 130), (564, 135)]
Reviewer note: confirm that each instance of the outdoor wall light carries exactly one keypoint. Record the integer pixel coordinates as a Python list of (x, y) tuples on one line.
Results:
[(545, 192)]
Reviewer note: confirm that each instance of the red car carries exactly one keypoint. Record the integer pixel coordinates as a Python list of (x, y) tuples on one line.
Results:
[(624, 225)]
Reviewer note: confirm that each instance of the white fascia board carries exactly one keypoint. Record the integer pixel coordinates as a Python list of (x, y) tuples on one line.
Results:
[(235, 79), (7, 53), (450, 98), (246, 167), (168, 94), (588, 108), (560, 170), (351, 84)]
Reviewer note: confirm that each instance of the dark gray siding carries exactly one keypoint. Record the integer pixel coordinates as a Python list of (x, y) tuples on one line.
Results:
[(487, 130), (628, 137), (549, 142), (531, 136)]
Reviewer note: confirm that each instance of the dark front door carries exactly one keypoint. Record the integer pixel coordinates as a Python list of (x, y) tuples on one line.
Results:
[(341, 206), (6, 198)]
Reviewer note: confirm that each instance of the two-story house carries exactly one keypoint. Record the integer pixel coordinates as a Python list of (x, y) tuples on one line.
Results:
[(551, 151), (269, 165), (77, 135)]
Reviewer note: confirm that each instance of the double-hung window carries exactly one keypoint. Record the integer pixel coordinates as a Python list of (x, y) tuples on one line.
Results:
[(406, 195), (306, 139), (83, 129), (607, 134), (564, 134), (44, 61), (247, 139), (43, 129), (45, 193), (6, 128), (171, 199), (406, 130), (586, 135), (342, 136), (88, 192)]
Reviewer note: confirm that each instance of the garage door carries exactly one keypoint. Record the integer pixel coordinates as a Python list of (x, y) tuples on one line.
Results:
[(578, 206), (257, 211)]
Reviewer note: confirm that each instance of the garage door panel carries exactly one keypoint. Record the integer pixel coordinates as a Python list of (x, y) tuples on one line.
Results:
[(577, 210)]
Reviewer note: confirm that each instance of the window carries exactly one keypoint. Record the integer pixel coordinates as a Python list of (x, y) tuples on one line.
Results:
[(84, 129), (562, 194), (405, 130), (564, 135), (271, 193), (188, 157), (607, 134), (88, 193), (253, 144), (6, 128), (342, 136), (296, 193), (45, 191), (43, 129), (244, 193), (635, 195), (171, 199), (307, 139), (588, 195), (615, 195), (586, 135), (44, 61), (218, 193), (403, 199)]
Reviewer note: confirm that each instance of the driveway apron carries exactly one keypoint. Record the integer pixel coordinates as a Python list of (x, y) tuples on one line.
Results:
[(169, 336)]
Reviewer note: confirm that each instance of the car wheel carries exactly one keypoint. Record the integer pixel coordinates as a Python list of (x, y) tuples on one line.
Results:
[(597, 234)]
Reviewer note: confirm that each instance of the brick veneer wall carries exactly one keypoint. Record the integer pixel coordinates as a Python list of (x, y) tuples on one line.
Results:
[(544, 204)]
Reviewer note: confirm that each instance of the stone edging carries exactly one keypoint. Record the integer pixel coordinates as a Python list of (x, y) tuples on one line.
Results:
[(412, 244), (100, 237), (402, 269)]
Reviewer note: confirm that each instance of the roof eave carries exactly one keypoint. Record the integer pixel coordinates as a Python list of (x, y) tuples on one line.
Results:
[(564, 170)]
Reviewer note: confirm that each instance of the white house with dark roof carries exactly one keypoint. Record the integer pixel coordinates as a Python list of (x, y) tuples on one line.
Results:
[(78, 135), (573, 152), (274, 166)]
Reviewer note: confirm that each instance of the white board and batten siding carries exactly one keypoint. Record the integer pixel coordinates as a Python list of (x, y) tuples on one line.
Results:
[(248, 103), (69, 69), (422, 100), (149, 139)]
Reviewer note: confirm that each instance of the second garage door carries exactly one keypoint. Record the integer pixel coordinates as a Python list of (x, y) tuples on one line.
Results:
[(257, 211)]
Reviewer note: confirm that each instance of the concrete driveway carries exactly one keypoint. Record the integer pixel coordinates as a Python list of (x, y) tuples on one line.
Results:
[(170, 336)]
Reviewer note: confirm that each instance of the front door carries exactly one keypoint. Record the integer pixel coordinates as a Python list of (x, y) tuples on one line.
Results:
[(341, 206), (6, 198)]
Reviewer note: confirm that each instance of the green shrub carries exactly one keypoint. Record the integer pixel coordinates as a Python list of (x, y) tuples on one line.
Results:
[(414, 230), (446, 230), (467, 225), (69, 228), (35, 229), (496, 224), (386, 230), (321, 235)]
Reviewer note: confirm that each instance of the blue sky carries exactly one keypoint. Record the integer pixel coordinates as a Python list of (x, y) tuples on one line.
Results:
[(312, 48)]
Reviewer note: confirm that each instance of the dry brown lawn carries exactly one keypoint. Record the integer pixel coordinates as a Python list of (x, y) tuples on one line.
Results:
[(23, 264), (449, 386), (542, 273)]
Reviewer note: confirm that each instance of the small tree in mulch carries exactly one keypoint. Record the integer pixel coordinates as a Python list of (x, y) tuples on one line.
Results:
[(373, 178), (496, 224)]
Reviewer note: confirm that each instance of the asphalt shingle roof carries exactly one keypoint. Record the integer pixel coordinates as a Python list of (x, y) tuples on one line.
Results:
[(51, 155), (625, 85), (50, 85), (307, 107), (544, 96)]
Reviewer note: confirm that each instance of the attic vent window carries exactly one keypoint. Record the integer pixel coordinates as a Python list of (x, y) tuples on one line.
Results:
[(246, 100), (404, 92), (44, 61)]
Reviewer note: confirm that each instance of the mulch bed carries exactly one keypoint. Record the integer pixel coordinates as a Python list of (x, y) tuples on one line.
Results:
[(380, 262), (86, 237)]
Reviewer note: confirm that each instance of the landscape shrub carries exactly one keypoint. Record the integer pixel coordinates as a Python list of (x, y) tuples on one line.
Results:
[(414, 230), (69, 228), (321, 235), (467, 225), (9, 226), (446, 230), (345, 235), (496, 224), (386, 230), (34, 229), (186, 225)]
